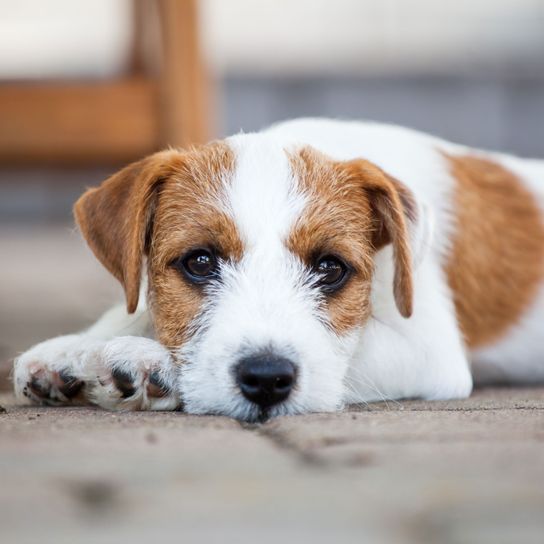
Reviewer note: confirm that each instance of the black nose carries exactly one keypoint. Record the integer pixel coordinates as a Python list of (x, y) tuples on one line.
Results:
[(266, 380)]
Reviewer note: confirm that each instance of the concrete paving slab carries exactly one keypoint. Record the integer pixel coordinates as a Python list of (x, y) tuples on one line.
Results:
[(378, 475)]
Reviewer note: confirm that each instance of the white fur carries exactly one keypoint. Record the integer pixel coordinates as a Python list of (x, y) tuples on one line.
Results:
[(267, 301)]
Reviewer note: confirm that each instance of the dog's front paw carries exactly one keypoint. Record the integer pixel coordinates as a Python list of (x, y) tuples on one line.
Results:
[(52, 372), (134, 373), (128, 372)]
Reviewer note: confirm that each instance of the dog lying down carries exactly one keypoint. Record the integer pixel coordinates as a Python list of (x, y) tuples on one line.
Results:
[(315, 264)]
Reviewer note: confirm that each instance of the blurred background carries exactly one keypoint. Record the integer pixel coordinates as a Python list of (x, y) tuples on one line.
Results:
[(88, 86)]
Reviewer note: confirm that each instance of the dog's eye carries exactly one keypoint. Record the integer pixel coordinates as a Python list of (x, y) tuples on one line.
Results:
[(199, 265), (332, 272)]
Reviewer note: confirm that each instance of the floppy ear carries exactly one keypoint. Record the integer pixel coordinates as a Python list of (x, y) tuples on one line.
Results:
[(116, 218), (392, 204)]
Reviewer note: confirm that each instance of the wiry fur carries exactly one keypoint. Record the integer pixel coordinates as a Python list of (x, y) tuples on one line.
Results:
[(384, 197)]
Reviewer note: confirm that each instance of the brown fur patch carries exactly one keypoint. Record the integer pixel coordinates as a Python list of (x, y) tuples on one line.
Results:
[(188, 216), (354, 209), (161, 206), (497, 261)]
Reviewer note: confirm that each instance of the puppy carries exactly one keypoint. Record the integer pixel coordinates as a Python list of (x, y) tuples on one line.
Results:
[(315, 264)]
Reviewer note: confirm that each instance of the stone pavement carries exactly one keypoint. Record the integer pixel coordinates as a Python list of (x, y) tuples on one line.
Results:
[(446, 472)]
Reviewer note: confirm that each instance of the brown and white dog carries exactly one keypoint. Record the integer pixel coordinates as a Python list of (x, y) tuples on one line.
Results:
[(314, 264)]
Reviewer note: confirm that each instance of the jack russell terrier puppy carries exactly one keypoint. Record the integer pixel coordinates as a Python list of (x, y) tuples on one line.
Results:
[(312, 265)]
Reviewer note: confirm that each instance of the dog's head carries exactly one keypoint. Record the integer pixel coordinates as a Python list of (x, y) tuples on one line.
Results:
[(260, 262)]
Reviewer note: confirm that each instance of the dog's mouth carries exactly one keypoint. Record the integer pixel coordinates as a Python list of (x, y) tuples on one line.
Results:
[(256, 415), (260, 415), (263, 416)]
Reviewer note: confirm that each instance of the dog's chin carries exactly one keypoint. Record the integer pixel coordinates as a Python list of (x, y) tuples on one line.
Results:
[(256, 415), (247, 412), (262, 415), (243, 411)]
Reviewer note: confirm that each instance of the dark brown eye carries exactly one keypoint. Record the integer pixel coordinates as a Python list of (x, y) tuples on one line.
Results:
[(332, 272), (199, 265)]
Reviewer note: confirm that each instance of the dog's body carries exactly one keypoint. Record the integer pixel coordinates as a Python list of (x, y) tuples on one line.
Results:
[(436, 252)]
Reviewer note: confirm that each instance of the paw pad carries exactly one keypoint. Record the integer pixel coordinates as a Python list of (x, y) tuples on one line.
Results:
[(156, 386), (69, 385), (39, 384), (52, 385), (124, 382)]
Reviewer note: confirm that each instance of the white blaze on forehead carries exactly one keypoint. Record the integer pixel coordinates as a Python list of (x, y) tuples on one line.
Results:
[(263, 197), (265, 295)]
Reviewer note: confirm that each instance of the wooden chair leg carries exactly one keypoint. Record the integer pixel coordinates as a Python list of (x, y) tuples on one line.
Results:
[(183, 87)]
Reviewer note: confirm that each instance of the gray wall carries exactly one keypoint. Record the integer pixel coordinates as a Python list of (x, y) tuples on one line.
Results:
[(497, 112)]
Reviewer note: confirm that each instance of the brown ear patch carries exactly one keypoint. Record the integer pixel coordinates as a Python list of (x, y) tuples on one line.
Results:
[(353, 210), (391, 202), (497, 262), (115, 218)]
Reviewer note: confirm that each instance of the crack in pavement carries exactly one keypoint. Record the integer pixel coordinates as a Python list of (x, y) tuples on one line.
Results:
[(278, 440)]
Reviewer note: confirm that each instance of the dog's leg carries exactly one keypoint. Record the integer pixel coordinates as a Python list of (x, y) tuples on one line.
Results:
[(100, 367)]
